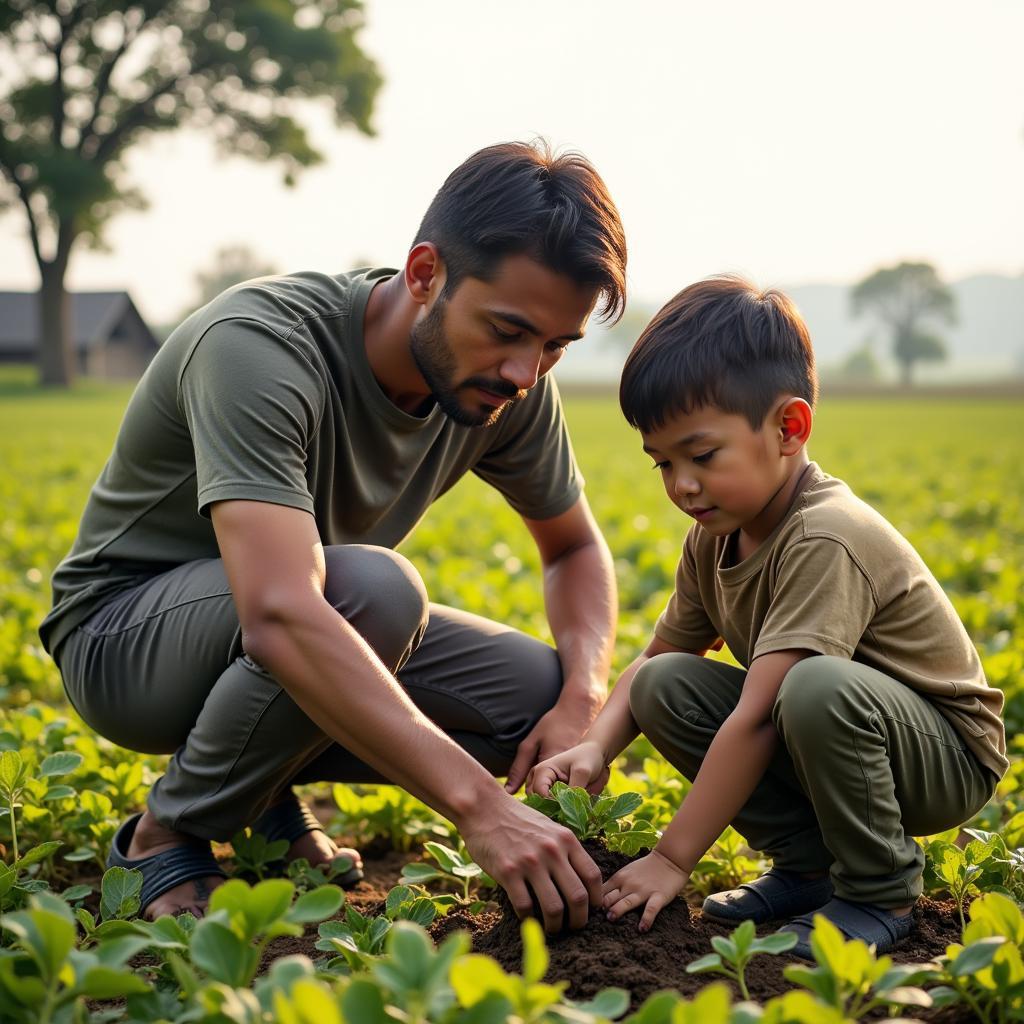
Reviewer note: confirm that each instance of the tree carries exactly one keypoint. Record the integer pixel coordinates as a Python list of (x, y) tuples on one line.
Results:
[(904, 298), (83, 80), (231, 265)]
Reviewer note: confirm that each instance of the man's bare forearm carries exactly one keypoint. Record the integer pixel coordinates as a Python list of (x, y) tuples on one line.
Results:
[(582, 608), (339, 682)]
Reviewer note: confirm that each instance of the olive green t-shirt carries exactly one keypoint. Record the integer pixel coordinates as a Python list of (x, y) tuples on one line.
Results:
[(266, 394), (835, 578)]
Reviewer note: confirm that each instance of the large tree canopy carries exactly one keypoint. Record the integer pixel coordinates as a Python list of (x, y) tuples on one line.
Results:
[(905, 298), (83, 80)]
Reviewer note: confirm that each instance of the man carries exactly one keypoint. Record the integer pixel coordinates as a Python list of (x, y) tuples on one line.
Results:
[(232, 596)]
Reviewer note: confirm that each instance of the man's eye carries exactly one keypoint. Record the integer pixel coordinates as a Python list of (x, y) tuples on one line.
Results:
[(704, 457), (505, 335), (556, 347)]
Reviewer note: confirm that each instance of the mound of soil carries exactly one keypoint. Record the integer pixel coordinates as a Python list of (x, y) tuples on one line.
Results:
[(607, 954)]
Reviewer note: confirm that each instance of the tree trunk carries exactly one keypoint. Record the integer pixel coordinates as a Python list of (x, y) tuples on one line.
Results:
[(56, 346)]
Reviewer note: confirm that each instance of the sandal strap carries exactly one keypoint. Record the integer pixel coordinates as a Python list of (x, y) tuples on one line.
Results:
[(860, 921), (163, 871), (287, 820)]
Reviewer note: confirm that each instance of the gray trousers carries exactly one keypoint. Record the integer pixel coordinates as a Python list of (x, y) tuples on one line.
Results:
[(160, 669), (864, 765)]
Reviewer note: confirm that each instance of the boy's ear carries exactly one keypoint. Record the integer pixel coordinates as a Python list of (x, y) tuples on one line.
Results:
[(794, 419)]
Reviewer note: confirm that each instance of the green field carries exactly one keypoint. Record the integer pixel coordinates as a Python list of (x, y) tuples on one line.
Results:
[(948, 474)]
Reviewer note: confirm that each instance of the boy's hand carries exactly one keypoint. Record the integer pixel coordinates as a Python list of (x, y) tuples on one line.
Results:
[(582, 765), (653, 880)]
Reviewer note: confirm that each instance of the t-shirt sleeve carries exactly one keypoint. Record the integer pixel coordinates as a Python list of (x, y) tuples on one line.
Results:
[(822, 601), (685, 622), (252, 402), (532, 462)]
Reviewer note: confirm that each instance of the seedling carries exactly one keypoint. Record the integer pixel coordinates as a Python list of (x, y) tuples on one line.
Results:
[(851, 979), (727, 864), (590, 817), (255, 855), (960, 870), (732, 954), (386, 811), (455, 867)]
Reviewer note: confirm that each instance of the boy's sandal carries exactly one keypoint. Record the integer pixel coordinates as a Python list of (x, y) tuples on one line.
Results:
[(775, 895), (874, 925), (291, 819), (162, 871)]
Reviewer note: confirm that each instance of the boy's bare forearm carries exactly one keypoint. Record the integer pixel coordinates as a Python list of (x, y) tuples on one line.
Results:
[(736, 760)]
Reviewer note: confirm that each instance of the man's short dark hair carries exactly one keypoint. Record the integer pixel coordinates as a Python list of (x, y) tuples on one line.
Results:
[(720, 342), (520, 197)]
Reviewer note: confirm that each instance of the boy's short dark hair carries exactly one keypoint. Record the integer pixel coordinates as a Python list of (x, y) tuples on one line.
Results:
[(719, 342), (519, 197)]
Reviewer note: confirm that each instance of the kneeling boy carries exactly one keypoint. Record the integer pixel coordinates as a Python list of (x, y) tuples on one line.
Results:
[(862, 716)]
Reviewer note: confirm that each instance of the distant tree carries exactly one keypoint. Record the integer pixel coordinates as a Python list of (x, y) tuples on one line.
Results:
[(860, 366), (81, 81), (231, 265), (904, 298)]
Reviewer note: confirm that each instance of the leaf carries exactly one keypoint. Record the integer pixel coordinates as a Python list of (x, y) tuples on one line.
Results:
[(75, 892), (59, 793), (475, 976), (976, 957), (363, 1001), (221, 954), (317, 905), (624, 803), (776, 943), (59, 764), (711, 962), (38, 853), (447, 858), (609, 1002), (11, 770), (111, 983), (535, 952), (119, 892), (418, 871)]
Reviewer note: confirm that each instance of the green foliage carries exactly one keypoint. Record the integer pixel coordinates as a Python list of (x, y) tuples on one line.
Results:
[(453, 866), (732, 954), (366, 812), (591, 817), (852, 980)]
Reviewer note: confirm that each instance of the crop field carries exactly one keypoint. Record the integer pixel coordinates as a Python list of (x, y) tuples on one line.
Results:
[(426, 937)]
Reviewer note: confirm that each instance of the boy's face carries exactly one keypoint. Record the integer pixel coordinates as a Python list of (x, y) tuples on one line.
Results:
[(716, 468)]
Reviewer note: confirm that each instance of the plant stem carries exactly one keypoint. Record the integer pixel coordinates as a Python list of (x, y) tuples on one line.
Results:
[(742, 981), (14, 831)]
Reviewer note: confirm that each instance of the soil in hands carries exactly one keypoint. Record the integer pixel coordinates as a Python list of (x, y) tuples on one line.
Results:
[(605, 954)]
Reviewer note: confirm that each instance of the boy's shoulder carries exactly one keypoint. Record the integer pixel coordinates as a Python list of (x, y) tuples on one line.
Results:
[(827, 509)]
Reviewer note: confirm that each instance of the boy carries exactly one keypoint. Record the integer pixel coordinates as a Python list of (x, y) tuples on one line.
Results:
[(862, 717)]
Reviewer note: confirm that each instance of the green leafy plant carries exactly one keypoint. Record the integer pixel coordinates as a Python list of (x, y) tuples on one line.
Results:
[(986, 971), (961, 869), (591, 817), (255, 855), (365, 813), (732, 954), (453, 866), (849, 977), (728, 863)]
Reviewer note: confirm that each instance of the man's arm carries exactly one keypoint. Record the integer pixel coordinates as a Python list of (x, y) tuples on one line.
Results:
[(735, 762), (582, 607), (274, 562)]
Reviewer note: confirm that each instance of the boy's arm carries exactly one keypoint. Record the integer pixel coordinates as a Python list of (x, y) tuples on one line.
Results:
[(611, 732), (736, 759)]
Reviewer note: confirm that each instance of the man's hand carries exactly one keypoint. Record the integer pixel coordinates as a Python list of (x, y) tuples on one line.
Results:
[(520, 848), (653, 880), (556, 731), (582, 765)]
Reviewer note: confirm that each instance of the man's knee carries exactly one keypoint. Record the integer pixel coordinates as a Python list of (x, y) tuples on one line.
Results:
[(659, 690), (380, 593)]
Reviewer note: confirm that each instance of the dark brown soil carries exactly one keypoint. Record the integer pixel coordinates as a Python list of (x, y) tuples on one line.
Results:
[(607, 954)]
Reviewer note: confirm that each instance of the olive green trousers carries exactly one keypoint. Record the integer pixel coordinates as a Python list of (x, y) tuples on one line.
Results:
[(865, 764), (161, 669)]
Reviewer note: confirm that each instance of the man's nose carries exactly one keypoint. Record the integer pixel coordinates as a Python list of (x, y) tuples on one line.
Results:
[(522, 369)]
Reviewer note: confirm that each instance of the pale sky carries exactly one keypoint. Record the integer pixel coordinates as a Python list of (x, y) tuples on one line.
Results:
[(795, 140)]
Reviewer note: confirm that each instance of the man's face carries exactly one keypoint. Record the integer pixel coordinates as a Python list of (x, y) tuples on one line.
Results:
[(483, 347)]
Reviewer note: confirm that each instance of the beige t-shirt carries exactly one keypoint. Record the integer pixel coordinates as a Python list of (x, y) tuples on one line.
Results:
[(835, 578), (266, 394)]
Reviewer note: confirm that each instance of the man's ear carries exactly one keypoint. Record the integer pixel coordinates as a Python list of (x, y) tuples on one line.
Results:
[(424, 272), (794, 419)]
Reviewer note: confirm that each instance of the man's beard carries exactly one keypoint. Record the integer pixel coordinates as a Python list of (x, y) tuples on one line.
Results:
[(436, 362)]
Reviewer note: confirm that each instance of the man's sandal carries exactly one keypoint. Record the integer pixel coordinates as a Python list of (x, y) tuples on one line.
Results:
[(291, 819), (874, 925), (772, 897), (162, 871)]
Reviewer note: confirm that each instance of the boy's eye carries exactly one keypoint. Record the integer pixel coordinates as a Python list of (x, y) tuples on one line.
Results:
[(704, 457), (660, 465)]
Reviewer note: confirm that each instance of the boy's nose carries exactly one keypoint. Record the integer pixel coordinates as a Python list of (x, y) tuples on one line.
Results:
[(686, 485)]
